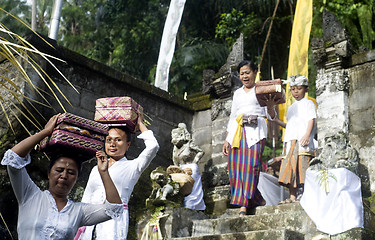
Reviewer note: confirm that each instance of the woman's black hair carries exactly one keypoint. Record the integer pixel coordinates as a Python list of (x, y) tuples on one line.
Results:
[(57, 155), (129, 135), (249, 63)]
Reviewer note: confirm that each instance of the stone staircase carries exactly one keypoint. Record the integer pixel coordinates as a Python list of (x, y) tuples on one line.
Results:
[(288, 221)]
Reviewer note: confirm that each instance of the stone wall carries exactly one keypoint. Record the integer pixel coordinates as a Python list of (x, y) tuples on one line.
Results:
[(361, 102), (345, 88), (8, 97)]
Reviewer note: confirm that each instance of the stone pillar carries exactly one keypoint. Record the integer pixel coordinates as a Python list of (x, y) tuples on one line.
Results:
[(331, 56), (332, 101), (216, 170)]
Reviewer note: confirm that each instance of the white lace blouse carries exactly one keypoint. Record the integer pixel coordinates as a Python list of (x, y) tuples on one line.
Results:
[(247, 103), (38, 216)]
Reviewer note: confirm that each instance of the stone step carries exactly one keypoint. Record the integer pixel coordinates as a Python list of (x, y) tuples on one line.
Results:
[(291, 217), (274, 234), (289, 207), (297, 221), (352, 234)]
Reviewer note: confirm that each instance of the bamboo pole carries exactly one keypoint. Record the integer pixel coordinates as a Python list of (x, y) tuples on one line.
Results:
[(268, 34)]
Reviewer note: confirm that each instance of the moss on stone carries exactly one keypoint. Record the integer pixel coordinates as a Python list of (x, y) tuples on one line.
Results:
[(200, 102)]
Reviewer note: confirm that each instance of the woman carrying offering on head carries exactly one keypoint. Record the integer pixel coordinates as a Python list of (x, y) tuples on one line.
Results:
[(49, 214), (125, 174), (245, 140)]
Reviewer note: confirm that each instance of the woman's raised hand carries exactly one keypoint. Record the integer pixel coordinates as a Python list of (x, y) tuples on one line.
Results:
[(50, 125), (26, 145), (103, 162), (111, 192), (141, 126)]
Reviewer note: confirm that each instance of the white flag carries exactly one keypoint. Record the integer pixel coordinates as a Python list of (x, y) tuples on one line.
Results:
[(168, 43)]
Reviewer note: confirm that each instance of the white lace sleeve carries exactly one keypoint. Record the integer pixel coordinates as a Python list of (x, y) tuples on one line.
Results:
[(22, 184), (97, 213), (113, 210), (12, 159)]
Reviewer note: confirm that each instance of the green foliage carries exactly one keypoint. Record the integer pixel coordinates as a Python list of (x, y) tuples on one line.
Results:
[(356, 16), (189, 63), (312, 75), (254, 26), (371, 201), (268, 149), (17, 8), (365, 14), (236, 22), (43, 16), (126, 35), (123, 34)]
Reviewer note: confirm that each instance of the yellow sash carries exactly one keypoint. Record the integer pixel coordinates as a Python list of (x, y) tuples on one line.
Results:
[(238, 134)]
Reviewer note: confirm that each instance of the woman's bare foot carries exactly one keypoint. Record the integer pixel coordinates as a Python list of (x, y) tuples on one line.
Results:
[(243, 211)]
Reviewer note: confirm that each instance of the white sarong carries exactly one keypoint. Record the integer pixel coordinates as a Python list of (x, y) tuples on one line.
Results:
[(195, 199), (338, 210), (271, 190)]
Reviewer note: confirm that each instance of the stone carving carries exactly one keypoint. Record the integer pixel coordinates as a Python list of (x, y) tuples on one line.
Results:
[(220, 107), (319, 52), (184, 149), (334, 81), (162, 187), (343, 49), (236, 55), (342, 83), (208, 77), (220, 85), (333, 31), (334, 50), (336, 153)]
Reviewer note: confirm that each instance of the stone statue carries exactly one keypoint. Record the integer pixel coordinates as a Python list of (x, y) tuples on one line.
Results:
[(186, 155), (184, 150), (336, 153), (162, 187)]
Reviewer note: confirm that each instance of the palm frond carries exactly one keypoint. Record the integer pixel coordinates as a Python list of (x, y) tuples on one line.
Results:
[(22, 57), (2, 218), (323, 178)]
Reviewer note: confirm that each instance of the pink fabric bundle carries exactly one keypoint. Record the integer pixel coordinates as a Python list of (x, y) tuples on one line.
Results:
[(118, 111)]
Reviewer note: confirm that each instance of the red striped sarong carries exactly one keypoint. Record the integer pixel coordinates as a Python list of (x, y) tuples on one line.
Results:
[(244, 168)]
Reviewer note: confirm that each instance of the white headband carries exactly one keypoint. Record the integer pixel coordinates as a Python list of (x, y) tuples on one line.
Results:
[(297, 80)]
